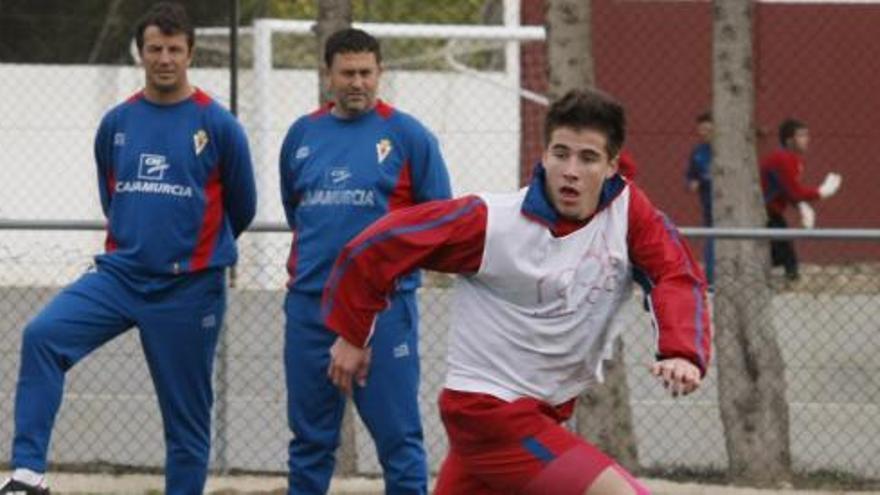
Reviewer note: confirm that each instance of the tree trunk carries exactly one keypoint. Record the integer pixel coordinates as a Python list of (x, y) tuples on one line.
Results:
[(109, 19), (603, 416), (569, 46), (334, 15), (751, 371)]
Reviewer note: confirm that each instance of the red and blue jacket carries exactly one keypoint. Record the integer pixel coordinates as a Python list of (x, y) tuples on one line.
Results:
[(449, 236), (340, 175), (176, 184), (781, 173)]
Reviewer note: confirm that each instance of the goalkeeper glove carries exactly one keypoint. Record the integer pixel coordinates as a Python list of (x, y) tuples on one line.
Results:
[(830, 185), (808, 216)]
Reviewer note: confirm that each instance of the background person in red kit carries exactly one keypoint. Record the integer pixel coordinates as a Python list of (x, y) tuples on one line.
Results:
[(781, 173)]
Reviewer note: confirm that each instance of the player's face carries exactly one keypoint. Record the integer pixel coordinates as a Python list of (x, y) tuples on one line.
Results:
[(353, 79), (166, 59), (801, 140), (577, 163)]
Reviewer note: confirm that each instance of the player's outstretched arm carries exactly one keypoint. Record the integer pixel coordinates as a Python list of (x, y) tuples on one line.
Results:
[(446, 236), (676, 285), (788, 177)]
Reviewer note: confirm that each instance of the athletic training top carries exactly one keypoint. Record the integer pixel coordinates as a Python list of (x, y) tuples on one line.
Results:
[(781, 181), (339, 175), (177, 187), (531, 314)]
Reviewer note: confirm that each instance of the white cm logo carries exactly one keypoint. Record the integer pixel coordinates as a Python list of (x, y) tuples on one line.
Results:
[(152, 167)]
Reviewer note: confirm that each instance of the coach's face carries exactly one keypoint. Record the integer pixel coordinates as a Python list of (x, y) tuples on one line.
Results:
[(353, 82), (576, 162), (166, 59)]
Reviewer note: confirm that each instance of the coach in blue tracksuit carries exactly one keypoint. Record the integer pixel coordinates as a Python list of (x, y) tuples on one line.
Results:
[(177, 188), (341, 168)]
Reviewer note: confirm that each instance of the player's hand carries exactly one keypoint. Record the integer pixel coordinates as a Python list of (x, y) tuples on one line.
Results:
[(348, 362), (678, 375), (808, 216), (693, 185), (830, 185)]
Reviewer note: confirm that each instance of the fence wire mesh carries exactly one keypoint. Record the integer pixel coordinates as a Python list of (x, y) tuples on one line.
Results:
[(483, 98), (824, 324)]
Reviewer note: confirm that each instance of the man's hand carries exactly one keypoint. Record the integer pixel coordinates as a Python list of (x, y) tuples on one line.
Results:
[(679, 375), (830, 185), (808, 216), (347, 362)]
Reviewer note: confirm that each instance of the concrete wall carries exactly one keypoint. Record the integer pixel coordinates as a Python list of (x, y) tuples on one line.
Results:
[(50, 115)]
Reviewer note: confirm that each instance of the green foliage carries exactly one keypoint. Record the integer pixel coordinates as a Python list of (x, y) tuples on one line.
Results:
[(84, 31), (300, 52), (412, 11)]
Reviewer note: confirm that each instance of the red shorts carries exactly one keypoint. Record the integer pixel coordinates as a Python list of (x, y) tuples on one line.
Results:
[(498, 447)]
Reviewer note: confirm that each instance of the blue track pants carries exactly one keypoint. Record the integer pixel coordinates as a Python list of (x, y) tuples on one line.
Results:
[(179, 326), (388, 405)]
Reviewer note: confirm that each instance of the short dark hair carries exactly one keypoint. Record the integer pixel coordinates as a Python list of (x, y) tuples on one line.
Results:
[(351, 40), (788, 128), (704, 117), (587, 108), (170, 18)]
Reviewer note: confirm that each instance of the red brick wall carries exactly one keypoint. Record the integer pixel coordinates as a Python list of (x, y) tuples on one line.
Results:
[(815, 62)]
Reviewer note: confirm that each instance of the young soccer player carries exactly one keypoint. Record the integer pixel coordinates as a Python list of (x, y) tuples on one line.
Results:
[(542, 272), (781, 173)]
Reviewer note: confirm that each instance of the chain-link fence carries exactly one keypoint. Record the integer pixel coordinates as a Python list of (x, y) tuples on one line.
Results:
[(474, 72), (825, 325)]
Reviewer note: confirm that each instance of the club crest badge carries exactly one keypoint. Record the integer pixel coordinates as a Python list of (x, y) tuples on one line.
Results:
[(383, 149), (200, 140)]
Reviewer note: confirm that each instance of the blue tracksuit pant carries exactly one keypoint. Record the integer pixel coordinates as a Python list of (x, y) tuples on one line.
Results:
[(179, 325), (388, 405)]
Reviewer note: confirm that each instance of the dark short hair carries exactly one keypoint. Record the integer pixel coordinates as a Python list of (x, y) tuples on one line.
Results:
[(588, 109), (788, 128), (170, 18), (704, 117), (351, 40)]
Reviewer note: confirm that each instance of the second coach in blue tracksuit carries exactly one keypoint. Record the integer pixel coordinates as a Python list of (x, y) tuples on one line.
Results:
[(341, 168), (177, 188)]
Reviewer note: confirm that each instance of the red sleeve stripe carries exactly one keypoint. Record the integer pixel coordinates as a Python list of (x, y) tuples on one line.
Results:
[(382, 236), (211, 222), (291, 262), (401, 196), (110, 242), (111, 182)]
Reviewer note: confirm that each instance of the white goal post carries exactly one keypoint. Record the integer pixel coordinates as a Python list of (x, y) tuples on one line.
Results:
[(260, 106), (510, 32)]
